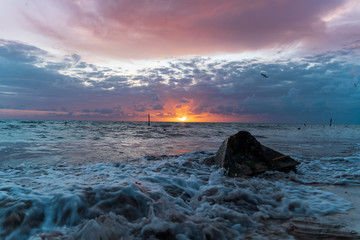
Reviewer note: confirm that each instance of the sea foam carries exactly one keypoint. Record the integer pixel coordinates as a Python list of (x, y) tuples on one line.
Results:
[(164, 197)]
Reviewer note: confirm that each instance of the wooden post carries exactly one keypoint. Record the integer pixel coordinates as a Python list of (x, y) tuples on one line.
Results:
[(148, 119)]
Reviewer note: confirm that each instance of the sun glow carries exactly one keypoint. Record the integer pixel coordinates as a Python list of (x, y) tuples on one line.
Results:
[(182, 119)]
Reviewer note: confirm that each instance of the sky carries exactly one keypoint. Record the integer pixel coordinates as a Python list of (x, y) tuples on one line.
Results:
[(188, 60)]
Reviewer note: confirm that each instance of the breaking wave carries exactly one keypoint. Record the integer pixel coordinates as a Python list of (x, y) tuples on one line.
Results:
[(166, 197)]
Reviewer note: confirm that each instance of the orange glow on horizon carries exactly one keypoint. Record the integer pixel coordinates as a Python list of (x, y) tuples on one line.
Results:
[(183, 112), (200, 118), (171, 113), (183, 119)]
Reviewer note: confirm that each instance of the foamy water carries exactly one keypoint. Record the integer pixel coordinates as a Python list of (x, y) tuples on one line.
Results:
[(109, 180)]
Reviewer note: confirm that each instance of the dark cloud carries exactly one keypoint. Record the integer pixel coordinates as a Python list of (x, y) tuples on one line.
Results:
[(104, 111), (155, 99), (76, 58), (225, 110), (101, 111), (184, 100), (158, 107), (140, 108), (201, 109), (3, 107), (14, 51), (308, 89), (47, 109)]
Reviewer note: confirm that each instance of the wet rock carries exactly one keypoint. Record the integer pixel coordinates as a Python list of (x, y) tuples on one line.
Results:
[(241, 154), (14, 219), (326, 227)]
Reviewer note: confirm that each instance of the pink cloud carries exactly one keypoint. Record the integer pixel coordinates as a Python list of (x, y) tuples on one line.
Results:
[(155, 28)]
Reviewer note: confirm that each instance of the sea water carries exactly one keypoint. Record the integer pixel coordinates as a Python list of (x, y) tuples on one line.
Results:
[(127, 180)]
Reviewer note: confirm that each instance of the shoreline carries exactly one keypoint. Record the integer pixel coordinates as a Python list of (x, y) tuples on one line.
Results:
[(352, 194), (332, 226)]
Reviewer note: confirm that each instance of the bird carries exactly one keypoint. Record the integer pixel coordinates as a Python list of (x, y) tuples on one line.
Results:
[(264, 75)]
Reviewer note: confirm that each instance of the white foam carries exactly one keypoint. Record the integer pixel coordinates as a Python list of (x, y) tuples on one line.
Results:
[(176, 198), (334, 170)]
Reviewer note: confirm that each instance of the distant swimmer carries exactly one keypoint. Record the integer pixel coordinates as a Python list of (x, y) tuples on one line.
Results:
[(66, 123)]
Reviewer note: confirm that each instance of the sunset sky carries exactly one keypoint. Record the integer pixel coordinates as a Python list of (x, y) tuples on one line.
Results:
[(181, 60)]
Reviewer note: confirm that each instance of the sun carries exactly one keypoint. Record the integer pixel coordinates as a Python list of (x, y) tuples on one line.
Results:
[(182, 119)]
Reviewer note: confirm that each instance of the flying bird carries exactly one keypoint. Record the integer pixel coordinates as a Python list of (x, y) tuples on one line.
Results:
[(264, 75)]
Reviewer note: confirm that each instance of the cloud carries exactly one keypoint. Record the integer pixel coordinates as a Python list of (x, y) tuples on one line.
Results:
[(140, 108), (155, 99), (76, 58), (14, 51), (20, 74), (184, 100), (158, 107), (104, 111), (155, 29), (307, 89), (200, 109), (225, 110)]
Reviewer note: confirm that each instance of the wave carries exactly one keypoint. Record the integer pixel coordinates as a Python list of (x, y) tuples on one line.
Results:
[(166, 197)]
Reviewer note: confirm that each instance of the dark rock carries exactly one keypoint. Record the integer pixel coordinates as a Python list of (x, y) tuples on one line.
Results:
[(14, 219), (241, 154)]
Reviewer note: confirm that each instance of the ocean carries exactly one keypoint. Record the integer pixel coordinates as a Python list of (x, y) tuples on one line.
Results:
[(126, 180)]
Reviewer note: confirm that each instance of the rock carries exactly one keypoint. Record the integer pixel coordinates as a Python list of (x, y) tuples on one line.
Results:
[(14, 219), (241, 154)]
